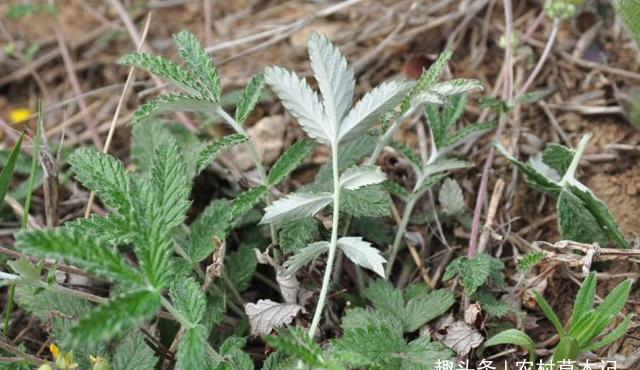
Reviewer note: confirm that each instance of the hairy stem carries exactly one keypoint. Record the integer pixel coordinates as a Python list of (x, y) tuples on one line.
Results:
[(402, 228), (175, 313), (333, 244), (255, 157)]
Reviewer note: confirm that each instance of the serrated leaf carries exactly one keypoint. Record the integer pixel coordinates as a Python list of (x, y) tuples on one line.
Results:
[(295, 206), (81, 250), (359, 317), (296, 343), (133, 354), (294, 235), (422, 354), (558, 157), (188, 298), (529, 260), (251, 95), (362, 254), (335, 78), (200, 64), (466, 133), (601, 213), (427, 78), (462, 338), (170, 103), (377, 346), (113, 229), (171, 183), (384, 296), (360, 176), (455, 86), (301, 101), (213, 150), (534, 178), (116, 316), (7, 169), (575, 222), (192, 349), (432, 172), (266, 315), (247, 200), (234, 358), (420, 311), (146, 137), (165, 69), (305, 255), (289, 161), (380, 100), (408, 153), (370, 201), (104, 175), (629, 11), (474, 272), (451, 198), (584, 299), (240, 267), (513, 336), (215, 221)]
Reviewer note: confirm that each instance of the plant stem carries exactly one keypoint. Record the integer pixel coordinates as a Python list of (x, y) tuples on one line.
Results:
[(543, 58), (333, 244), (175, 313), (402, 228), (255, 157)]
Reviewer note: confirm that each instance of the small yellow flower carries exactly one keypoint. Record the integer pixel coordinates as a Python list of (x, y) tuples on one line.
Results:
[(99, 363), (55, 351), (19, 115)]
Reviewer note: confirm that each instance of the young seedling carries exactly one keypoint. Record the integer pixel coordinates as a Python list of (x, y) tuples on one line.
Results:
[(581, 216), (585, 328)]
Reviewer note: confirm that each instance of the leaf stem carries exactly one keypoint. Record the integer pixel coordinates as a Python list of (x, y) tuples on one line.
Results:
[(333, 244), (402, 228), (255, 157), (175, 313), (573, 167)]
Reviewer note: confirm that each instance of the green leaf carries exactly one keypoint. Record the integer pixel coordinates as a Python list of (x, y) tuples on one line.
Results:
[(494, 307), (532, 96), (133, 354), (295, 206), (241, 265), (602, 215), (27, 270), (165, 69), (119, 315), (251, 95), (82, 250), (370, 201), (169, 103), (408, 153), (451, 198), (188, 298), (474, 272), (590, 325), (567, 349), (305, 255), (467, 132), (558, 157), (351, 153), (42, 304), (359, 317), (422, 354), (7, 170), (377, 345), (384, 296), (614, 302), (548, 312), (629, 11), (213, 150), (534, 178), (289, 161), (200, 64), (192, 349), (247, 200), (296, 343), (584, 299), (234, 357), (428, 78), (529, 260), (146, 138), (516, 337), (613, 335), (420, 311), (215, 221), (171, 183), (112, 229), (298, 233), (362, 253), (576, 222), (105, 175)]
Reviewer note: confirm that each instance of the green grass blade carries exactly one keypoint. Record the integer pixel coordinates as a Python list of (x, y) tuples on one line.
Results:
[(7, 171), (615, 301), (613, 335), (584, 299), (548, 312), (516, 337)]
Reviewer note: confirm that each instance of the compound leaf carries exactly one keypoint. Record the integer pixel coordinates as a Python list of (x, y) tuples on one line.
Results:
[(250, 97), (362, 253), (213, 150), (289, 161), (295, 206), (200, 64)]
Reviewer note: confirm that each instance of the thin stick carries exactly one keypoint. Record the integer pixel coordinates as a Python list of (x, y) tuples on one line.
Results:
[(543, 58), (112, 127), (491, 214)]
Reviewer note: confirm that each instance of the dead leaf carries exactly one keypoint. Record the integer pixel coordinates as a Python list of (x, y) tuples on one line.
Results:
[(267, 315), (462, 338), (473, 315), (289, 285)]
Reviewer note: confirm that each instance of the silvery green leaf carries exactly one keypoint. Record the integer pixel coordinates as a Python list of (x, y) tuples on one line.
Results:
[(362, 253), (558, 157), (266, 315), (172, 103), (543, 168), (305, 255), (335, 78), (200, 64), (534, 178), (301, 101), (427, 97), (427, 78), (629, 11), (451, 197), (289, 285), (456, 86), (295, 206), (376, 102), (438, 167), (360, 176)]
